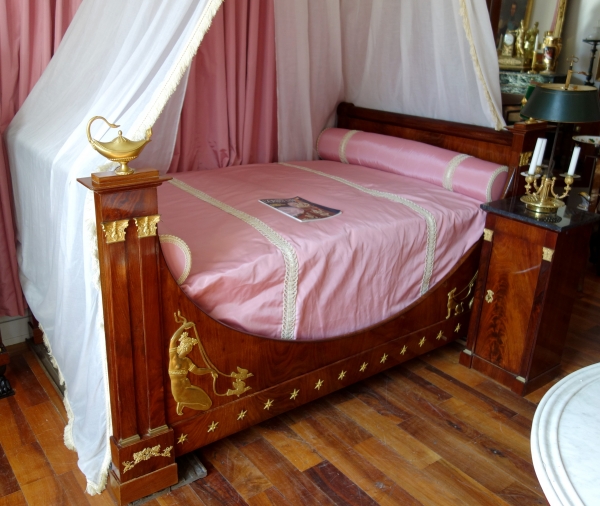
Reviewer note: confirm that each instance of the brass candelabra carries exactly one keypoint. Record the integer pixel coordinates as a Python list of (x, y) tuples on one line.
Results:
[(543, 200)]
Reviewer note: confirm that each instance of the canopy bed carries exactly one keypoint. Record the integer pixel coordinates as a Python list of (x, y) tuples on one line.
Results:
[(132, 401), (156, 334)]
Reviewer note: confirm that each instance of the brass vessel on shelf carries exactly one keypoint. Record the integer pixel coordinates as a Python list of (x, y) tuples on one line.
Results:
[(120, 149)]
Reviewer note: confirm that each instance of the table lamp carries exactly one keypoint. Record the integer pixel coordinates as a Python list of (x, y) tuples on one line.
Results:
[(557, 103)]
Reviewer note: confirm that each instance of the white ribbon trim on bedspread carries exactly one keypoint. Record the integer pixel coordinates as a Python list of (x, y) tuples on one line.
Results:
[(424, 213), (451, 169), (290, 258)]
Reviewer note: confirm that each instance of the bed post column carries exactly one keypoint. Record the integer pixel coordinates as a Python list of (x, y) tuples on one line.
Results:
[(525, 136), (143, 460)]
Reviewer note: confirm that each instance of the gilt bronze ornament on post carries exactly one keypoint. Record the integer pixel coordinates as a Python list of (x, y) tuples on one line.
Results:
[(120, 149)]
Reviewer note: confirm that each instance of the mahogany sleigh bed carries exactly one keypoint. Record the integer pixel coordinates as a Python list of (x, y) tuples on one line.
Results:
[(242, 379)]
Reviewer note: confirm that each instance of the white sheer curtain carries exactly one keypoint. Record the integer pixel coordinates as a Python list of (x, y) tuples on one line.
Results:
[(310, 84), (122, 60), (430, 58)]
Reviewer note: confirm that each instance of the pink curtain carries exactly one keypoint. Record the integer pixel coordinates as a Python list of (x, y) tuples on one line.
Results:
[(30, 31), (229, 115)]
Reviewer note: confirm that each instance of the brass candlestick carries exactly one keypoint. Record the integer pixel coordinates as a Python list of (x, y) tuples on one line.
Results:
[(544, 200)]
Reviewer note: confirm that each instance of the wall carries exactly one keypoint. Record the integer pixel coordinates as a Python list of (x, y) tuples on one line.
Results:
[(543, 12), (580, 21), (14, 329)]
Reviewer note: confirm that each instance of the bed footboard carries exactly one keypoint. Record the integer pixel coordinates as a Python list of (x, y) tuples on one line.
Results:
[(155, 336)]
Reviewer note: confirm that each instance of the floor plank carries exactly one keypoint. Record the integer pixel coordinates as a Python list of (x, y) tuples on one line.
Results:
[(183, 496), (8, 481), (287, 442), (46, 384), (338, 486), (215, 490), (16, 499), (14, 429), (236, 468), (47, 491), (292, 484), (415, 452), (348, 461), (29, 464)]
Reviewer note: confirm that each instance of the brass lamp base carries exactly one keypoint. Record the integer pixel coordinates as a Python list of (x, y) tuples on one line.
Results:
[(124, 169), (544, 201), (536, 205)]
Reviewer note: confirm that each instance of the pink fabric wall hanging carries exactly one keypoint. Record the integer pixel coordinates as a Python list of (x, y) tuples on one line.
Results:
[(229, 116), (30, 31)]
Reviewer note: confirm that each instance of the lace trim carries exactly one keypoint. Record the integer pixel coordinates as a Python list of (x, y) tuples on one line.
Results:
[(161, 96), (91, 250), (290, 283), (497, 172), (451, 169), (424, 213), (499, 122), (344, 143), (181, 244)]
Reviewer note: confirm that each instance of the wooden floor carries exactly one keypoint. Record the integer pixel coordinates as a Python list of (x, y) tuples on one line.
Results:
[(427, 432)]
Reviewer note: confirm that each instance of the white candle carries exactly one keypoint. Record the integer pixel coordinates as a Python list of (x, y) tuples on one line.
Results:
[(574, 159), (534, 157), (540, 159)]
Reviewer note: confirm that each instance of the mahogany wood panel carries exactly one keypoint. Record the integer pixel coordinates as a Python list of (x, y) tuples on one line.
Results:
[(124, 493), (512, 280), (570, 257), (229, 348), (484, 263)]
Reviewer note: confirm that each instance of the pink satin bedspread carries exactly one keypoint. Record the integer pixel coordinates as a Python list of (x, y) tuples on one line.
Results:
[(354, 270)]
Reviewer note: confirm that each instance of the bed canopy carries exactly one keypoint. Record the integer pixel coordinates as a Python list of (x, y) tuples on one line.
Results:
[(128, 62)]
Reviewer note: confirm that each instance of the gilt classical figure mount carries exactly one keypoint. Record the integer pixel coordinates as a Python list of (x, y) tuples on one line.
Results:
[(184, 393)]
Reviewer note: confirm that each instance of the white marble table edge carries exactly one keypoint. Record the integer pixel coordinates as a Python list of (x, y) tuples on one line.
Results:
[(545, 449)]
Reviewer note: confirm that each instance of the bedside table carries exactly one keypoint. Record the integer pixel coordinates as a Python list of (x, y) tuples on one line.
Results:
[(528, 276)]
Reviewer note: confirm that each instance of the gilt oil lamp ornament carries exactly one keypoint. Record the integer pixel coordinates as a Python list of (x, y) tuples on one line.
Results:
[(120, 149)]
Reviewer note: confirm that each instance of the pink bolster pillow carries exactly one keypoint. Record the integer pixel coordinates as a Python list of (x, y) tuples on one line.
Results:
[(481, 180)]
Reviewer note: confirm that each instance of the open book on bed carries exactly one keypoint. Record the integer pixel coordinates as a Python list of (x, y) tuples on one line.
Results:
[(301, 209)]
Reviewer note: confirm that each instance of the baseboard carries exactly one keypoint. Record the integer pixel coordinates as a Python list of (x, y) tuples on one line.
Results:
[(14, 330)]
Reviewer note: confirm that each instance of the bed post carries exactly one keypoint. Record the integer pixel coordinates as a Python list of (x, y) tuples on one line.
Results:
[(143, 460), (525, 136)]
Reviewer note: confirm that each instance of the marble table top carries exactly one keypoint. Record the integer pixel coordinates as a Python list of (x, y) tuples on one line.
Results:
[(565, 440)]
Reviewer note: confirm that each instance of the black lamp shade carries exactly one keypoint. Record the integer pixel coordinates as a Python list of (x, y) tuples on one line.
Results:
[(551, 102)]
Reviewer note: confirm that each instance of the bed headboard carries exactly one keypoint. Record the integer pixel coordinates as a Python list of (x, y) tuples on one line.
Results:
[(512, 146)]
